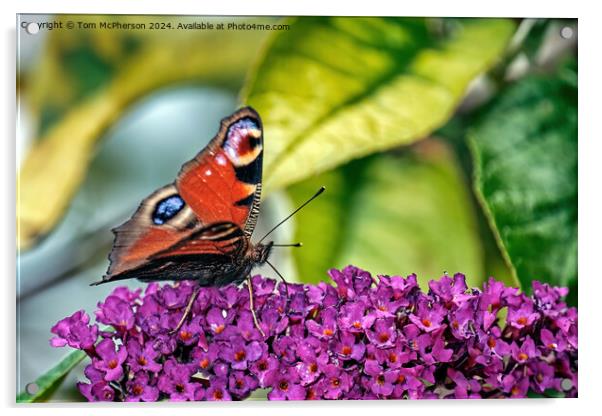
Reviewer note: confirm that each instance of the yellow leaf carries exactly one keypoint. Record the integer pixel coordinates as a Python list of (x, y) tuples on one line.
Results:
[(334, 89)]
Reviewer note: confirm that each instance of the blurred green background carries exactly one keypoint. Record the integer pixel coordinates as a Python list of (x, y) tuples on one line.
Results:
[(446, 145)]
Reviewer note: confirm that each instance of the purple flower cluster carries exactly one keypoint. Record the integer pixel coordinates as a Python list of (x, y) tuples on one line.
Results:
[(365, 338)]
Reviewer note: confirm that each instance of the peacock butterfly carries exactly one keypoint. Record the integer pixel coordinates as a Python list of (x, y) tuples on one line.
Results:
[(199, 227)]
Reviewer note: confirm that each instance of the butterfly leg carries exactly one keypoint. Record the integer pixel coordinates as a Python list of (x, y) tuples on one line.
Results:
[(252, 305), (193, 297)]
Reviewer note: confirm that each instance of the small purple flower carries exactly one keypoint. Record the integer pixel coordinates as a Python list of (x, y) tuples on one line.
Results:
[(264, 368), (348, 347), (312, 362), (218, 391), (523, 316), (408, 383), (123, 292), (432, 349), (286, 385), (117, 312), (110, 361), (393, 357), (494, 344), (428, 317), (175, 381), (75, 332), (327, 326), (272, 321), (172, 297), (217, 319), (351, 317), (464, 388), (450, 291), (142, 358), (98, 389), (516, 384), (383, 333), (381, 381), (551, 342), (246, 327), (351, 281), (190, 333), (139, 389), (336, 382), (543, 376), (525, 352), (240, 384), (205, 358), (239, 353)]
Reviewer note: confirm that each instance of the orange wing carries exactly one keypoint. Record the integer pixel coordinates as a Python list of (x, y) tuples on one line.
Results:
[(216, 192)]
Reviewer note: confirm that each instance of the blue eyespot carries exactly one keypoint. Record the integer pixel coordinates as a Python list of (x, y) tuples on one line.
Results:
[(167, 208)]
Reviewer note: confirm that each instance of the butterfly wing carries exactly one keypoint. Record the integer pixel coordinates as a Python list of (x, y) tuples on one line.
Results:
[(223, 182), (182, 223)]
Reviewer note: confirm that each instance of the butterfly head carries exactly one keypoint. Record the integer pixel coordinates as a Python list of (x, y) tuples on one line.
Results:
[(260, 252)]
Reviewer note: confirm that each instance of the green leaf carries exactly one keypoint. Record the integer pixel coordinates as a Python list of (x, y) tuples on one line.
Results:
[(525, 159), (391, 215), (49, 381), (333, 89)]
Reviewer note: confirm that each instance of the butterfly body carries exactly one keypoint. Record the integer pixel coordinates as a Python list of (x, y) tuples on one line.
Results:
[(199, 227)]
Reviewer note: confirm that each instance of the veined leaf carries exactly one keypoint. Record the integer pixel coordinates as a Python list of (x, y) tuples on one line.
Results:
[(391, 215), (56, 165), (525, 158), (50, 380), (334, 89)]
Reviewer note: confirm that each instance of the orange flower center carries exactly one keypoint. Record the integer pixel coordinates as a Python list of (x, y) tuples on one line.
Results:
[(218, 395), (219, 329), (204, 363), (185, 335), (240, 355), (522, 356), (491, 342), (137, 389), (142, 360), (112, 364), (346, 350), (401, 378), (426, 322), (383, 336), (313, 367), (283, 385), (522, 320), (328, 332), (393, 357), (357, 325)]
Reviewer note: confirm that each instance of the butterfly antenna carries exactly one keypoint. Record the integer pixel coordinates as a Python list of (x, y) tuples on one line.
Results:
[(281, 278), (288, 245), (322, 188)]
